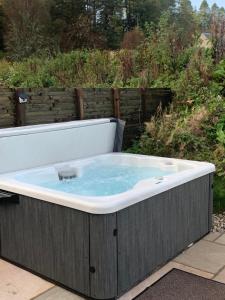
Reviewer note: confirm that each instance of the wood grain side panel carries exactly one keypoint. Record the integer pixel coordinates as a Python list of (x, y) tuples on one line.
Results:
[(155, 230), (211, 201), (49, 239), (103, 256)]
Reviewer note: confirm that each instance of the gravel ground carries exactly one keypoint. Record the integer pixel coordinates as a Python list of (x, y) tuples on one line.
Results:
[(219, 222)]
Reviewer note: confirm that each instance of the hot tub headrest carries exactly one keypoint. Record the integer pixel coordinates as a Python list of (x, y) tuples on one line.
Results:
[(38, 145)]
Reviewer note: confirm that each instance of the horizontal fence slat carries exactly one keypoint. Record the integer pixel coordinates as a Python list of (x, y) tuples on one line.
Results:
[(48, 105)]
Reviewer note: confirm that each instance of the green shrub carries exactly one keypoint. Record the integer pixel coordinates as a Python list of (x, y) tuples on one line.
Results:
[(219, 194)]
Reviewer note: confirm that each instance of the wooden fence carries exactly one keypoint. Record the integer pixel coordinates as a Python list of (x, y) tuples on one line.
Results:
[(65, 104)]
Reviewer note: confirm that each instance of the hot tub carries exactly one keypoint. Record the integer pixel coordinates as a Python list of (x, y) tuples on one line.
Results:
[(105, 183), (112, 221)]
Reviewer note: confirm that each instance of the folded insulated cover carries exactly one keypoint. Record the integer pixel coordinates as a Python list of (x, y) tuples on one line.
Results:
[(38, 145)]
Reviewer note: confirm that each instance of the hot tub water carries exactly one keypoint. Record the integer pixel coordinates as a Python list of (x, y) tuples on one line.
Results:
[(99, 179)]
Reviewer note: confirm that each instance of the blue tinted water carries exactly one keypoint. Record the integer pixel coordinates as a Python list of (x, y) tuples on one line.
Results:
[(102, 179)]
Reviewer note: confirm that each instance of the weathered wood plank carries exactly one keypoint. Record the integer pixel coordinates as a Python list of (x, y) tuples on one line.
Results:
[(116, 102), (79, 95), (20, 111)]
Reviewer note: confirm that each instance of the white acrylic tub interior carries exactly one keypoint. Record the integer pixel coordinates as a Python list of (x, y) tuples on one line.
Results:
[(164, 174)]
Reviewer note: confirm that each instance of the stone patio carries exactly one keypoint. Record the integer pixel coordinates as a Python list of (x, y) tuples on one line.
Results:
[(206, 258)]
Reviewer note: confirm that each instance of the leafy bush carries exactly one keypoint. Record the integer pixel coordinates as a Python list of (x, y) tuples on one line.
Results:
[(219, 193), (132, 39)]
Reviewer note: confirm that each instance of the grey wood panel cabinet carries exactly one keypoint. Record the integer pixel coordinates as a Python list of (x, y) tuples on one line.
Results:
[(154, 231), (102, 256), (49, 239)]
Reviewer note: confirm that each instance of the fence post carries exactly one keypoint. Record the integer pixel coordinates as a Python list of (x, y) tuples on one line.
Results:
[(20, 109), (116, 102), (79, 95), (143, 104)]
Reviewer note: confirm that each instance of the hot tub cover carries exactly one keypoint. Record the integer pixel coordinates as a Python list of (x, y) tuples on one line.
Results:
[(33, 146)]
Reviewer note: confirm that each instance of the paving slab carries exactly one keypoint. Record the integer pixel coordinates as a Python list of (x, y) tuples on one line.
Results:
[(220, 276), (211, 237), (18, 284), (57, 293), (160, 273), (205, 256), (221, 239)]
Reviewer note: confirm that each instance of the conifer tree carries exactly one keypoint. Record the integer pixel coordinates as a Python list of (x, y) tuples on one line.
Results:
[(204, 16), (185, 20)]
